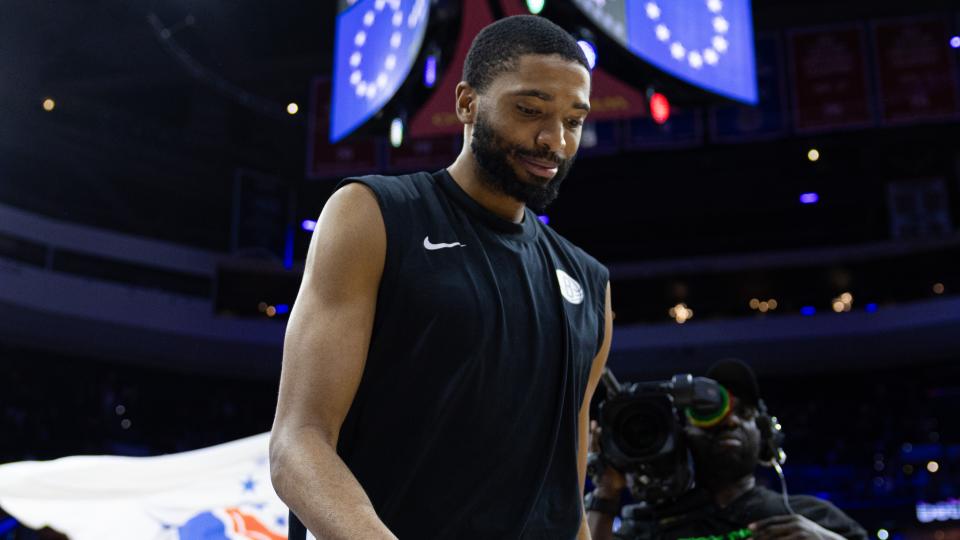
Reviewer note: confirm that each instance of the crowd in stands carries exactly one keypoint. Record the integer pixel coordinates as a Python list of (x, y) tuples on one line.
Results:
[(864, 440)]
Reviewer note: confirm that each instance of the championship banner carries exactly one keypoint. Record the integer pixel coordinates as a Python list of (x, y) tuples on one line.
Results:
[(218, 493), (768, 119), (325, 160), (916, 71), (829, 79)]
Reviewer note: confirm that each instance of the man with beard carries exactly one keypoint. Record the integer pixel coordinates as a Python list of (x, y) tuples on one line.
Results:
[(445, 344), (726, 502)]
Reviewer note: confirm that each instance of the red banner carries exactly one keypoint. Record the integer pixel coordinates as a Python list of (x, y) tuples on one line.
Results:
[(514, 7), (915, 71), (829, 79), (325, 160), (438, 116)]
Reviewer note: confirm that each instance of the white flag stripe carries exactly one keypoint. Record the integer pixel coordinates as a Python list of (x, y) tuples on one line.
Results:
[(121, 498)]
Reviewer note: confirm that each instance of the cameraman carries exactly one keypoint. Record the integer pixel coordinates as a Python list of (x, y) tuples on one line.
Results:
[(726, 503)]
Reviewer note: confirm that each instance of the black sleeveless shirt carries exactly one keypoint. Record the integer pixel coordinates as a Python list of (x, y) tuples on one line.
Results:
[(465, 421)]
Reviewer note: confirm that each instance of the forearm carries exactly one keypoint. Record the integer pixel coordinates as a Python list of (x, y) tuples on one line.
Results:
[(584, 532), (600, 525), (317, 486)]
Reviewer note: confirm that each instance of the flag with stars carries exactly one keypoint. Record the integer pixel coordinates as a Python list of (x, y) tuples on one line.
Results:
[(707, 43), (217, 493)]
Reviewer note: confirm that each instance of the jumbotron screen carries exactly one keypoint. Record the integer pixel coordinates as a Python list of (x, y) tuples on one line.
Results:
[(376, 44), (707, 43)]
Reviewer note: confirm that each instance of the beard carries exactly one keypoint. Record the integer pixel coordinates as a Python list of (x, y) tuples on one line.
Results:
[(492, 153), (718, 465)]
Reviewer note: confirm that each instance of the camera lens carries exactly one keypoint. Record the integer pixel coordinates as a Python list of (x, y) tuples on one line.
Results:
[(642, 430)]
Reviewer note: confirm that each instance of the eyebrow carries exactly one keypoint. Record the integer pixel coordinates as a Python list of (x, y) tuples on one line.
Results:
[(547, 97)]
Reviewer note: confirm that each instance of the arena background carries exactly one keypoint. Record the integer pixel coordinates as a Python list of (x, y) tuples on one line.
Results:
[(160, 165)]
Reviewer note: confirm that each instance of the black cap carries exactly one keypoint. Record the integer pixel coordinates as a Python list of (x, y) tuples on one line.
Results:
[(737, 377)]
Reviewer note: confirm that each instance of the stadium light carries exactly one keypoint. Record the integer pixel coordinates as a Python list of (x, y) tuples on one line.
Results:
[(590, 51), (396, 132), (809, 198), (430, 71)]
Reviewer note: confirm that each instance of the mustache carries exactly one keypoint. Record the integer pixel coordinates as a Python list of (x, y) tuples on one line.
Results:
[(545, 155)]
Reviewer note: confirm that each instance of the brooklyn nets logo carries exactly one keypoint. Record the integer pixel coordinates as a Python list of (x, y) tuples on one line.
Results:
[(571, 290)]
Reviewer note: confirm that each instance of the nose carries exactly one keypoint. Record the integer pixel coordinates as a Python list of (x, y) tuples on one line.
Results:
[(552, 137), (732, 420)]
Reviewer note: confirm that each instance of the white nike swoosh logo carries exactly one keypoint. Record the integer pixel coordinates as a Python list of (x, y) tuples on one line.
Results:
[(431, 246)]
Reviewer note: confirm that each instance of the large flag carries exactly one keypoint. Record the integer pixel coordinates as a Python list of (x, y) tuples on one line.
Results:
[(217, 493)]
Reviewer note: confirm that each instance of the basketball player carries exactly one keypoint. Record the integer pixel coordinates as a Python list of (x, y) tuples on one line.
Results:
[(444, 346)]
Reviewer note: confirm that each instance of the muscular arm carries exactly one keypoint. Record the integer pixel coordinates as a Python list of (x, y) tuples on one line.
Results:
[(324, 352), (584, 421)]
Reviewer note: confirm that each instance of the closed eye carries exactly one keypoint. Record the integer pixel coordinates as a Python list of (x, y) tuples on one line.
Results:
[(527, 110)]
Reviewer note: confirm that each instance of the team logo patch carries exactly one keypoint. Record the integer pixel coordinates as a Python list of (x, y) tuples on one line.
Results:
[(232, 524), (571, 290)]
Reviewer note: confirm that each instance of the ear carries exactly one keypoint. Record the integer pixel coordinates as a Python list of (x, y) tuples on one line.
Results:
[(466, 103)]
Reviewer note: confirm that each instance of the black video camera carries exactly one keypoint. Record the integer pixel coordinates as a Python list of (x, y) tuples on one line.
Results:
[(642, 432)]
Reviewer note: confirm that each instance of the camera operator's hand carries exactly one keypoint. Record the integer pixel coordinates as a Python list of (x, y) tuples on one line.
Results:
[(611, 481), (792, 526)]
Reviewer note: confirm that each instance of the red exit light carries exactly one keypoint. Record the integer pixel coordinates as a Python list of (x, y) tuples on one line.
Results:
[(659, 108)]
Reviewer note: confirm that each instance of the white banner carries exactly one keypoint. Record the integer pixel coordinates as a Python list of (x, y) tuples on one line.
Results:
[(217, 493)]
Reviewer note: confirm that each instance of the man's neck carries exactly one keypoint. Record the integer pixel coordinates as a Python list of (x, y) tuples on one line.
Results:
[(465, 173), (726, 494)]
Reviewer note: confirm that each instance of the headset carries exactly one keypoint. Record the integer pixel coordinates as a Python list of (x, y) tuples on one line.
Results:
[(771, 437), (771, 448)]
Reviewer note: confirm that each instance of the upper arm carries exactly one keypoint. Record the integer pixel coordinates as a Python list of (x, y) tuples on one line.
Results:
[(328, 333), (583, 428), (599, 362)]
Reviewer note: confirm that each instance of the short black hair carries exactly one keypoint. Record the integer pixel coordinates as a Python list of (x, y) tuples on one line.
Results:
[(497, 47)]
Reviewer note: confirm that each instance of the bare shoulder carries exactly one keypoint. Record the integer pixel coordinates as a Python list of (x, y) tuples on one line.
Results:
[(352, 209), (354, 195), (348, 247)]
